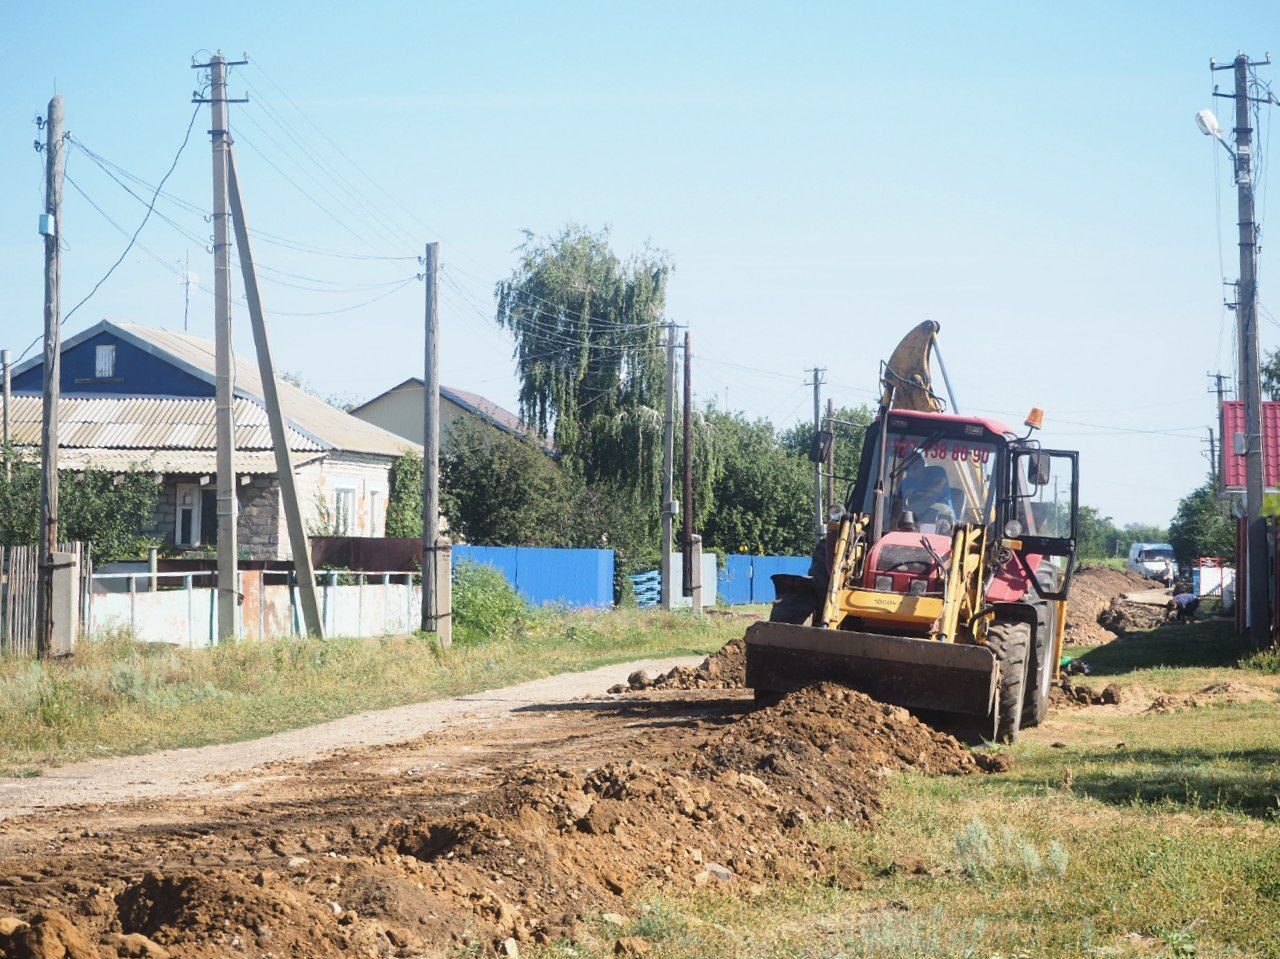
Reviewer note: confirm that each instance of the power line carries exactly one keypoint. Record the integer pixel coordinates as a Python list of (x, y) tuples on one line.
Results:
[(132, 240)]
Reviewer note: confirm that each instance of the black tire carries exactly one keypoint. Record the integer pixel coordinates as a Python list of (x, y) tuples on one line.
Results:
[(1035, 701), (1010, 642)]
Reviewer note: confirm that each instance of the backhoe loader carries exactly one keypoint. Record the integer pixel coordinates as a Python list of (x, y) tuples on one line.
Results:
[(942, 581)]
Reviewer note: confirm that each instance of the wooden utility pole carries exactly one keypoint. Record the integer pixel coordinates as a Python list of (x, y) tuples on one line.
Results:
[(4, 363), (687, 505), (668, 464), (1258, 571), (298, 544), (224, 380), (431, 585), (819, 517), (55, 162)]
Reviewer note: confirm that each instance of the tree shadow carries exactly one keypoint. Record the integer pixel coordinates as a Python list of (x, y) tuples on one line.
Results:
[(1241, 781), (1206, 644)]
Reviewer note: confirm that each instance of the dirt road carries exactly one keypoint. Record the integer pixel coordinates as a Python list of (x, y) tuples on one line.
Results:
[(519, 817), (233, 767)]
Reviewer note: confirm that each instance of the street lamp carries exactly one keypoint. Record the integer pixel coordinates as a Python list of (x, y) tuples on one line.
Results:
[(1208, 125)]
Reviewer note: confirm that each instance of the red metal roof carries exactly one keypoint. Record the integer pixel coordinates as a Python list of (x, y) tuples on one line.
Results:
[(995, 426), (1233, 423)]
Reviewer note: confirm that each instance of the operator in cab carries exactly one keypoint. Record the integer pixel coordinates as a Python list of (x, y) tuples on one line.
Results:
[(926, 495)]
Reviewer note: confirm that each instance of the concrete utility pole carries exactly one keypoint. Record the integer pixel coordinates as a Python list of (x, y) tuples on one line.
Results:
[(1213, 454), (54, 163), (1220, 390), (431, 573), (224, 383), (819, 516), (304, 573), (1250, 370), (687, 505), (830, 464), (668, 464), (4, 364)]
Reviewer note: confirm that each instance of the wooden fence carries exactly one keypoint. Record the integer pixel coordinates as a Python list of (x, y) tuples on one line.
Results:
[(19, 583)]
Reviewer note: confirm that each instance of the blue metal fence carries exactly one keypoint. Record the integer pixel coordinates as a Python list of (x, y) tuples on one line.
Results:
[(572, 577), (746, 579)]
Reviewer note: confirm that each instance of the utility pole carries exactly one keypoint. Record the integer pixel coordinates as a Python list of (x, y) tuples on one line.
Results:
[(4, 363), (1250, 371), (298, 543), (224, 382), (1220, 390), (687, 505), (54, 164), (668, 461), (1213, 456), (431, 446), (831, 457), (819, 519)]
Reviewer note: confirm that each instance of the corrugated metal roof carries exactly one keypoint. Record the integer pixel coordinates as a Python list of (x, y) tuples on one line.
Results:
[(145, 423), (329, 427), (1233, 466), (195, 462)]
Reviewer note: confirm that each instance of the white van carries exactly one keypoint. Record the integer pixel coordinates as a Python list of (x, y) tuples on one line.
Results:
[(1154, 561)]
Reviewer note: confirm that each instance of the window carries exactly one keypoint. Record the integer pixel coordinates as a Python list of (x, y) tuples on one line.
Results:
[(186, 527), (104, 361), (344, 508), (375, 500)]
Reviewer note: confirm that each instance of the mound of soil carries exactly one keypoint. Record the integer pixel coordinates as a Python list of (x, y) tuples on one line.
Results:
[(561, 843), (1122, 617), (725, 669), (1093, 588), (523, 861)]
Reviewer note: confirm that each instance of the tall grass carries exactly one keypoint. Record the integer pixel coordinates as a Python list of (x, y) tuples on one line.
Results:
[(117, 696)]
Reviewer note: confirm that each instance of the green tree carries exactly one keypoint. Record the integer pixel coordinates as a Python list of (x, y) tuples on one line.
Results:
[(762, 495), (111, 512), (404, 501), (1203, 526), (588, 332), (1096, 534), (850, 431), (505, 491)]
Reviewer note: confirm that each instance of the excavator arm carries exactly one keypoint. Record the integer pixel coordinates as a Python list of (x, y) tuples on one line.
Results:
[(906, 381)]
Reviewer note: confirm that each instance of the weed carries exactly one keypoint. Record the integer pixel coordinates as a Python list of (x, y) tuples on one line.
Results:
[(658, 921), (485, 605), (1057, 858), (974, 850), (931, 935), (1264, 661)]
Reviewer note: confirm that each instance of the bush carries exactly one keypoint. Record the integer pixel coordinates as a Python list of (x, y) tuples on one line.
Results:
[(485, 605)]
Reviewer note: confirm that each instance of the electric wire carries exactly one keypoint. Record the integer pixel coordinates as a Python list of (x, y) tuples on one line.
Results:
[(132, 239)]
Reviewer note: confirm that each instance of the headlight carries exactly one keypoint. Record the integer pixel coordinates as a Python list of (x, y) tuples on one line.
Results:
[(918, 587), (884, 583), (1012, 529), (836, 514)]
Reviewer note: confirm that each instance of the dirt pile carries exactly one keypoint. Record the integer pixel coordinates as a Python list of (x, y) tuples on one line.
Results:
[(725, 669), (1093, 588), (1140, 699), (1122, 617), (521, 861), (561, 843), (1066, 693)]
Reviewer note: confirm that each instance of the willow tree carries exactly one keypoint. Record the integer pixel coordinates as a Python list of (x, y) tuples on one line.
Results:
[(589, 351)]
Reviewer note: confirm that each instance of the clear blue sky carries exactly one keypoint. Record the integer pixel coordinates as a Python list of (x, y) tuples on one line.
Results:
[(824, 175)]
